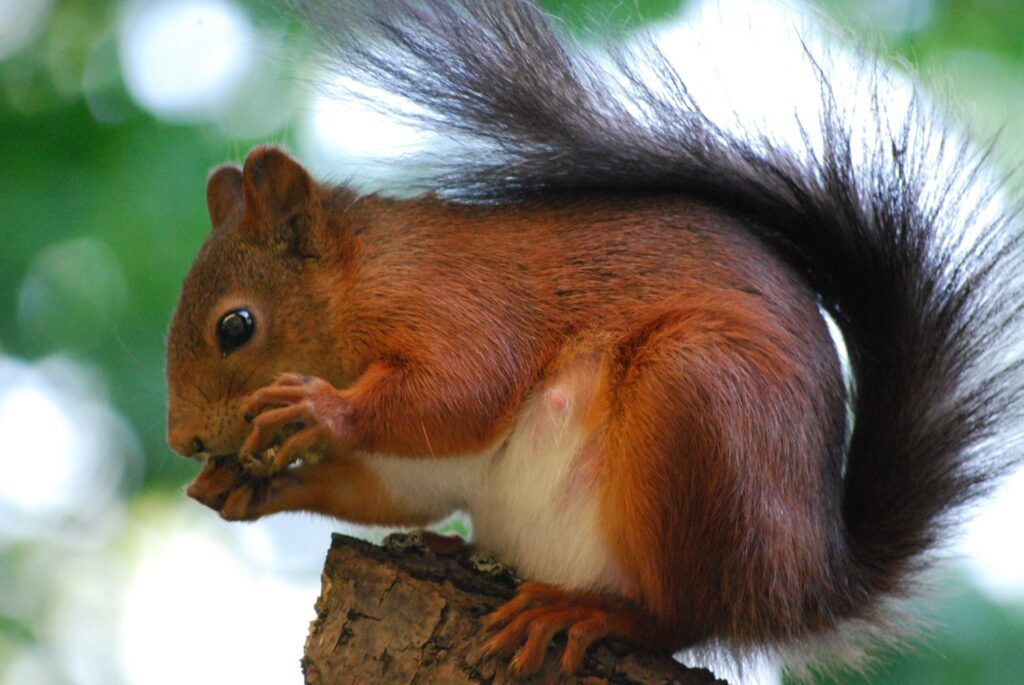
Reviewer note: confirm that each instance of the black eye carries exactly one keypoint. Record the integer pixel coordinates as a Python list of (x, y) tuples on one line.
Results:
[(234, 330)]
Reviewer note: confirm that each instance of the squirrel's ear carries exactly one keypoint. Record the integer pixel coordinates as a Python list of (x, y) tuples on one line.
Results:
[(223, 193), (274, 184)]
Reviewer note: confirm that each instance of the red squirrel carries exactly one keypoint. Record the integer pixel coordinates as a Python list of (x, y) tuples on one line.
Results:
[(605, 343)]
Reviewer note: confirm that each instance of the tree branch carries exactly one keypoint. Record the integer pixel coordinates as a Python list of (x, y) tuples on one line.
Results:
[(402, 614)]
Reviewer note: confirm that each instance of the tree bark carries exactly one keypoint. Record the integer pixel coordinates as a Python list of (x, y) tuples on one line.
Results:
[(401, 614)]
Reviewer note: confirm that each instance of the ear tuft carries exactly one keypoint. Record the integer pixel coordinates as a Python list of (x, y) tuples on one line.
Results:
[(223, 193), (273, 183)]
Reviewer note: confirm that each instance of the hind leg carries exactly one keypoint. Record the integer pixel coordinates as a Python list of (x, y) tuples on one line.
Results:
[(704, 426)]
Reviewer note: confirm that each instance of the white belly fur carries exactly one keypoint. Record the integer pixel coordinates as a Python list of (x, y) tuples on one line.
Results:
[(532, 498)]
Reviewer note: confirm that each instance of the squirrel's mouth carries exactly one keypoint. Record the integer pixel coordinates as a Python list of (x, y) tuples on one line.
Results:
[(256, 463)]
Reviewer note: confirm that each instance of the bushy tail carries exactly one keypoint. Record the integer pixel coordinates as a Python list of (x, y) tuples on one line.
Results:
[(926, 290)]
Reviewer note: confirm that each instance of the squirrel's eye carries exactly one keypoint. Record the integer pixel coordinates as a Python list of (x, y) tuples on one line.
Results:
[(234, 330)]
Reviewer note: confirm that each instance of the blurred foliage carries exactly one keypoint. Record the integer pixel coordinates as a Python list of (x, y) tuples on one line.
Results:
[(931, 27), (84, 162), (968, 639), (969, 53), (102, 209), (612, 14)]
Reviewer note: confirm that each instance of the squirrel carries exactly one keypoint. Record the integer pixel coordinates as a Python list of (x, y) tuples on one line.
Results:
[(607, 342)]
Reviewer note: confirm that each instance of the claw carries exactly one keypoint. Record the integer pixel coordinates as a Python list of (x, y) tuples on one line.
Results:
[(539, 611), (238, 505), (297, 445)]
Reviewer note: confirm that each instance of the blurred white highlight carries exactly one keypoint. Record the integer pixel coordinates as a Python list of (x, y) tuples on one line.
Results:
[(64, 449), (991, 551), (235, 621), (20, 23), (39, 432), (348, 137), (185, 59)]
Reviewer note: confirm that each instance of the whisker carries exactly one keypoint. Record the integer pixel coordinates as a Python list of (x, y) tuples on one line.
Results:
[(251, 373)]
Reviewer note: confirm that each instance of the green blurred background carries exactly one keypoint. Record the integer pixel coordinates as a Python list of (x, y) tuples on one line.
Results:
[(102, 172)]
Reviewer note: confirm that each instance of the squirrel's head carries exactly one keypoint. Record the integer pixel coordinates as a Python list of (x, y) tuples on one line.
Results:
[(254, 303)]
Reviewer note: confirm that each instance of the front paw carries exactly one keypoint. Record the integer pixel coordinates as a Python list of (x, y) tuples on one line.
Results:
[(219, 476), (306, 414), (224, 486)]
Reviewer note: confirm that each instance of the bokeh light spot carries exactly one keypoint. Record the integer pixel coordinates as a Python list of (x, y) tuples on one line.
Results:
[(189, 590), (20, 23), (66, 451), (184, 59), (72, 295), (42, 470)]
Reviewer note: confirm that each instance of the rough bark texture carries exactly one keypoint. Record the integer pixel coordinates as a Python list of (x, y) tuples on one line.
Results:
[(401, 614)]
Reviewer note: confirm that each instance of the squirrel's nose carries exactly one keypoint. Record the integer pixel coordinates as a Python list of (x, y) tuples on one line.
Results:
[(184, 442)]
